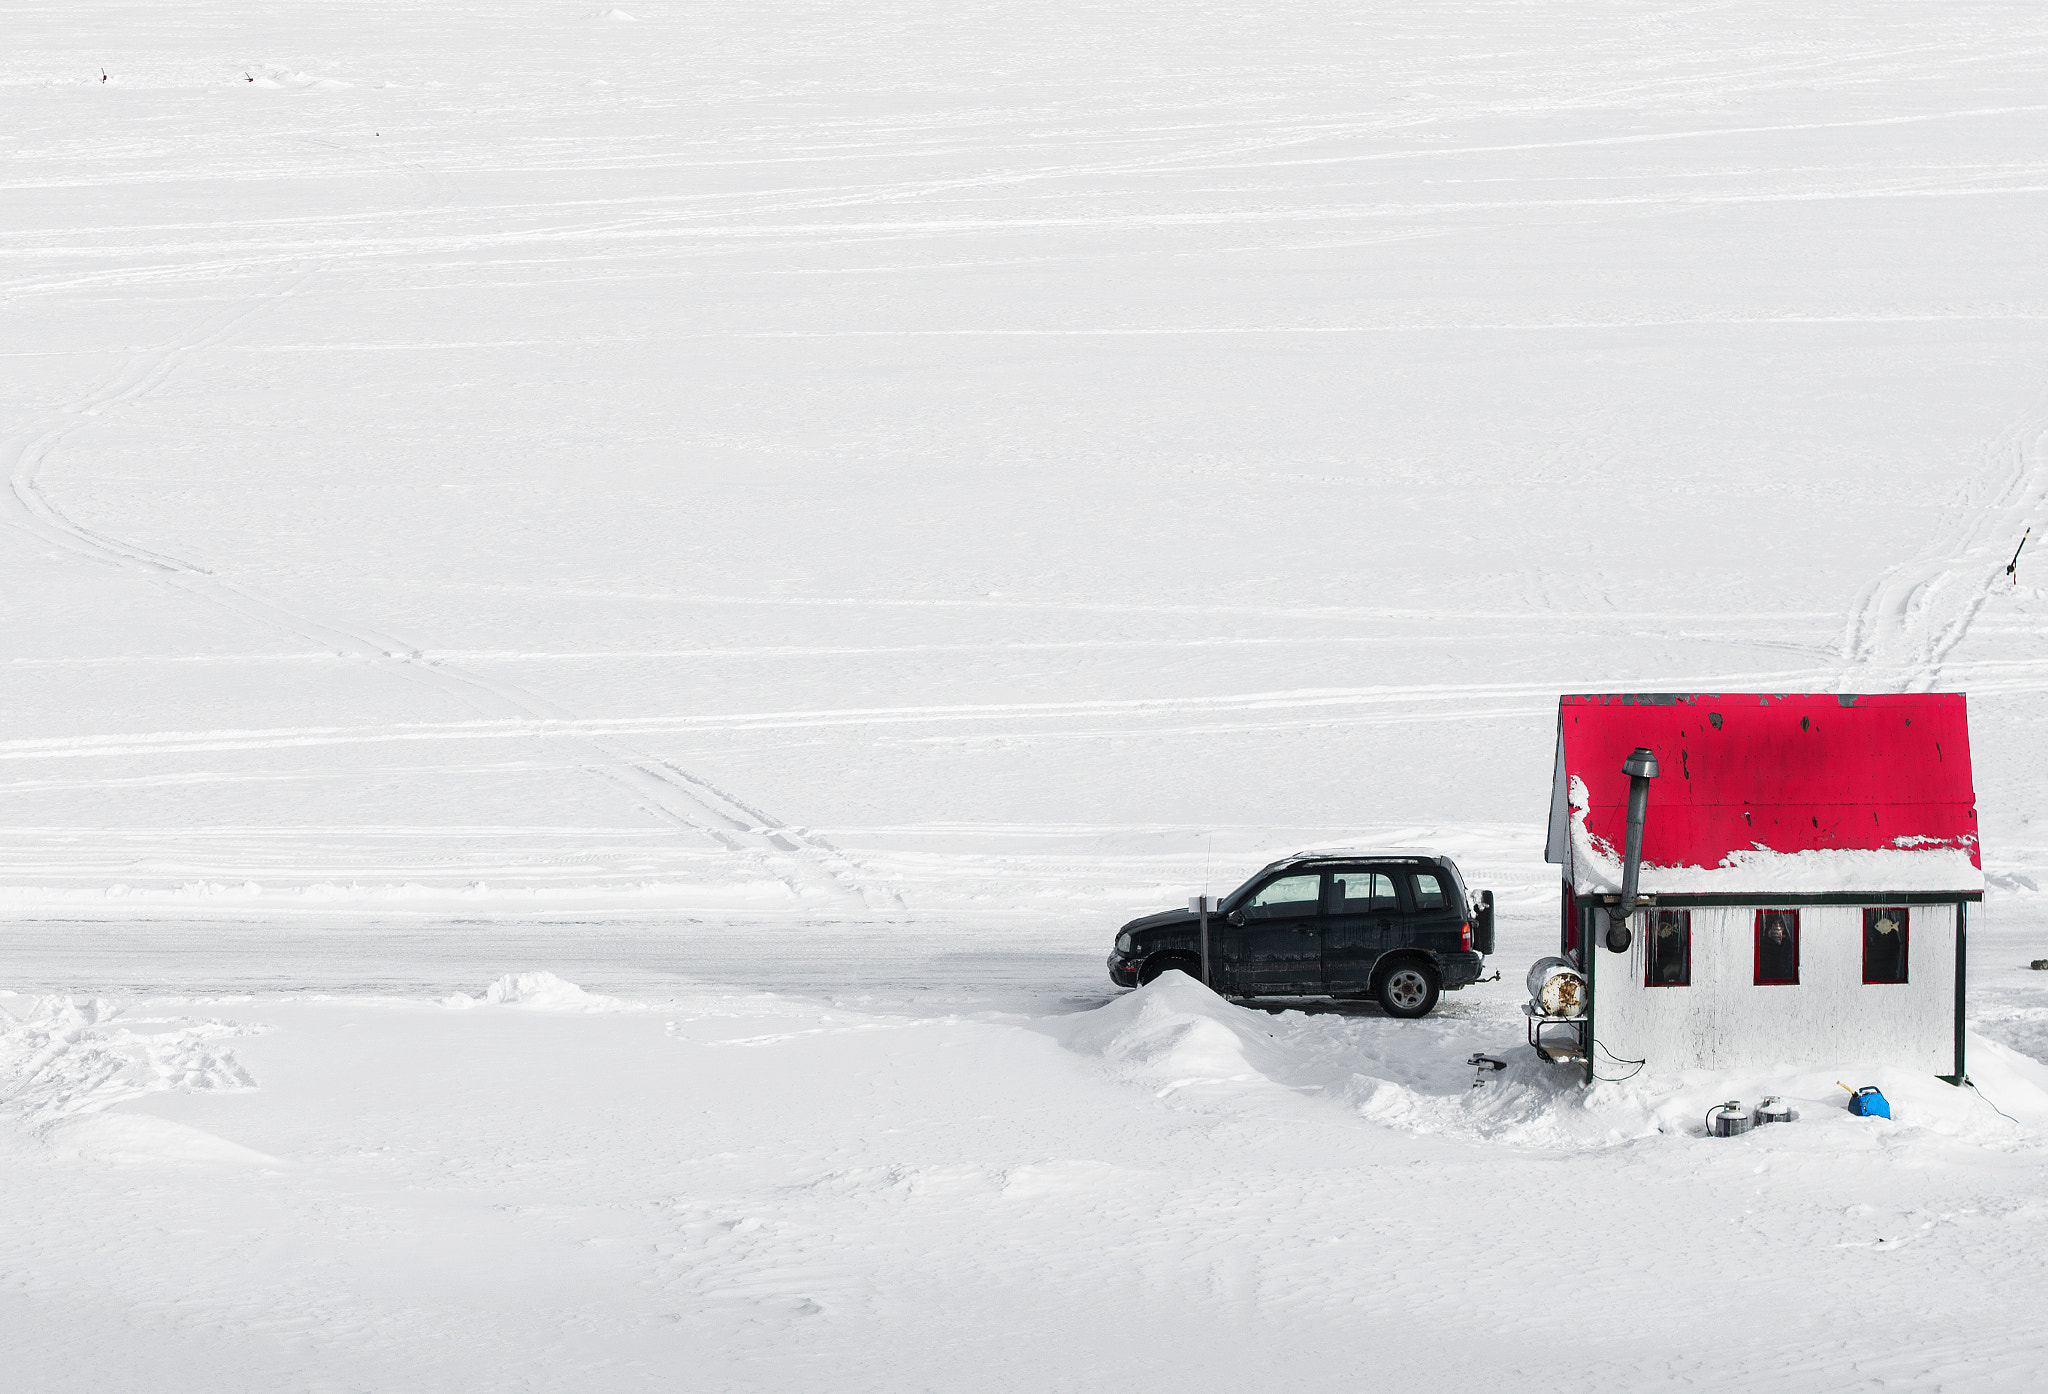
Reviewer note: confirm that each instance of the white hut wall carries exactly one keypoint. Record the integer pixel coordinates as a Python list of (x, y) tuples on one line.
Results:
[(1725, 1020)]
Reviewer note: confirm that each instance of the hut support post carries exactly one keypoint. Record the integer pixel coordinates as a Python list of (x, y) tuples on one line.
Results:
[(1961, 1076)]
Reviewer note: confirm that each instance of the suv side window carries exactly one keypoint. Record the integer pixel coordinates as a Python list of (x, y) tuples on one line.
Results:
[(1286, 898), (1429, 892), (1356, 891)]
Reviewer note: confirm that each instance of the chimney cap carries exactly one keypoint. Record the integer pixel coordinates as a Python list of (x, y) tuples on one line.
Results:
[(1641, 764)]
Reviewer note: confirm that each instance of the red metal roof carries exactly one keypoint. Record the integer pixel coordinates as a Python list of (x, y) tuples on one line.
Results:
[(1785, 773)]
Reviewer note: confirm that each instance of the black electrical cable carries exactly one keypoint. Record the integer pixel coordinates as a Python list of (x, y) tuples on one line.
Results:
[(1619, 1061), (1994, 1107)]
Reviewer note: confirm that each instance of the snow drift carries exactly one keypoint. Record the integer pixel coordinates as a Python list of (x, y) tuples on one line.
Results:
[(536, 992)]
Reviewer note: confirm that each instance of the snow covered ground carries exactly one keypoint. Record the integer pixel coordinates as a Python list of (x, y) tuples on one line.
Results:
[(798, 518)]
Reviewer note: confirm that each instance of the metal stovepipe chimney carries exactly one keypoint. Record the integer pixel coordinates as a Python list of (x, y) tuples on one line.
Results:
[(1641, 768)]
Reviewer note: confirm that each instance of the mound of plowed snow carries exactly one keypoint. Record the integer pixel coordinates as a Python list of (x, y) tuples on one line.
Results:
[(1414, 1076), (1175, 1031), (541, 992)]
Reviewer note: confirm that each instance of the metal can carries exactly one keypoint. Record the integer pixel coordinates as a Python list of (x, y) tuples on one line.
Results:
[(1541, 969), (1775, 1110), (1564, 994), (1727, 1120), (1559, 990)]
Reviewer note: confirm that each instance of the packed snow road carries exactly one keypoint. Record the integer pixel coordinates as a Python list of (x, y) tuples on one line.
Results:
[(876, 1158), (535, 1185)]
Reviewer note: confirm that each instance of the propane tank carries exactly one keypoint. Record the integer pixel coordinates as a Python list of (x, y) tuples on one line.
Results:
[(1727, 1120), (1540, 969), (1775, 1110), (1557, 988)]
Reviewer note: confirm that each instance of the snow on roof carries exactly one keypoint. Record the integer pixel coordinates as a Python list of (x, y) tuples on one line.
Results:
[(1770, 793)]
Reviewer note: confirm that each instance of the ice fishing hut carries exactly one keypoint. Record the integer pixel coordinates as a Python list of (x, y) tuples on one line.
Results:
[(1762, 879)]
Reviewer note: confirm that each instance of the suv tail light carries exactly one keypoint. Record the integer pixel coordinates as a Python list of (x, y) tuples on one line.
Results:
[(1465, 936)]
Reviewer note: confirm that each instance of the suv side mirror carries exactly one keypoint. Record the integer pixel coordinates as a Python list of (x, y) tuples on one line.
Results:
[(1235, 919)]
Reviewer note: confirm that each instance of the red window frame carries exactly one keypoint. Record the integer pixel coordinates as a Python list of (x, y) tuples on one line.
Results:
[(1905, 918), (1650, 948), (1760, 980)]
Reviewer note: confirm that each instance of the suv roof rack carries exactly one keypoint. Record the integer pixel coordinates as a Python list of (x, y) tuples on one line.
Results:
[(1378, 854)]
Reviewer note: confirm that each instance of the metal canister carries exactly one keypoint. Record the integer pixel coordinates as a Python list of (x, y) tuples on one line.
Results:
[(1540, 969), (1727, 1120), (1775, 1110), (1563, 994), (1558, 989)]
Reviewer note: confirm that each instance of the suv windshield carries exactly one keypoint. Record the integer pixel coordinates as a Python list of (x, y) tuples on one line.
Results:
[(1236, 897)]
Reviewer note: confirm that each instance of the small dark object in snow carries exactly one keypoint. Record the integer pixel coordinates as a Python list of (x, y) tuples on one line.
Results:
[(2041, 964)]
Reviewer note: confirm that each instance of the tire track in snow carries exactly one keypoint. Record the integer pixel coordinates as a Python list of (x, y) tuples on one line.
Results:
[(1913, 615), (1429, 698), (668, 792)]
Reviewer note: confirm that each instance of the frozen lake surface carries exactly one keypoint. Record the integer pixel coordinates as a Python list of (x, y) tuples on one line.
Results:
[(797, 520)]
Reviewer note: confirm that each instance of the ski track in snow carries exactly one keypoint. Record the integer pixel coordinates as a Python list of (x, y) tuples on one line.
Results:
[(687, 802), (1908, 620), (1532, 696)]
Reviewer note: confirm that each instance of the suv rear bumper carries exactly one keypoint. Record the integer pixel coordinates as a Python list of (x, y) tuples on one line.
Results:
[(1121, 973), (1461, 967)]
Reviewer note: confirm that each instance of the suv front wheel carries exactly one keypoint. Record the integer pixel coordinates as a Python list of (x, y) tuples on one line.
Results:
[(1166, 963), (1408, 989)]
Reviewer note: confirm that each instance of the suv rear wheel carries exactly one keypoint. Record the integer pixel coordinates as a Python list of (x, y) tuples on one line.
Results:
[(1408, 989)]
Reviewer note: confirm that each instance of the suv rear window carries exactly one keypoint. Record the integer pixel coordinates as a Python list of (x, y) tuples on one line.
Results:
[(1429, 892)]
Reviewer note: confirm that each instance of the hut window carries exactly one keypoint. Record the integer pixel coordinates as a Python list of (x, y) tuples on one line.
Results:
[(1777, 947), (1884, 945), (1669, 961)]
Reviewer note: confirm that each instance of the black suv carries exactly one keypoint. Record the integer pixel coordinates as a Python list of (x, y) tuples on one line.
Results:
[(1397, 926)]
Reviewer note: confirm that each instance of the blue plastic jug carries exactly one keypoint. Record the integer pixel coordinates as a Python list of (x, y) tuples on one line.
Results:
[(1870, 1102)]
